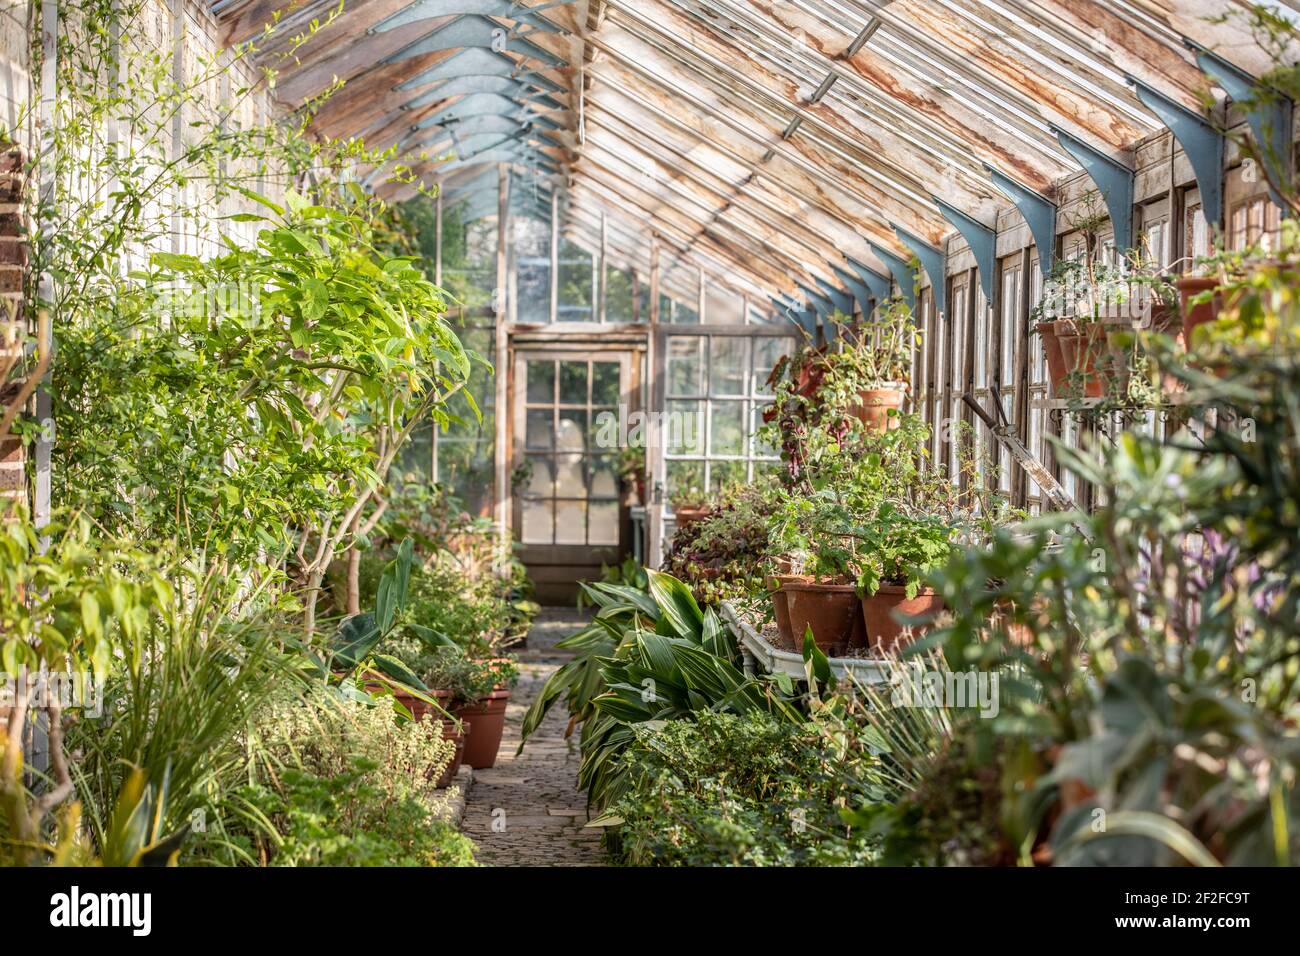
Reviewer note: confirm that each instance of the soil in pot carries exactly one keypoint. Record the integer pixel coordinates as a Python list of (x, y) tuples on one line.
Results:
[(874, 404), (687, 515), (884, 629), (485, 721), (831, 610)]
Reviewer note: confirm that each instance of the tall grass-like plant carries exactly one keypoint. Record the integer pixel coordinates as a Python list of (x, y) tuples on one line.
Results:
[(185, 685)]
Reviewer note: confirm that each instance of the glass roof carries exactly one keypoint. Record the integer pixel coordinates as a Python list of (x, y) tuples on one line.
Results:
[(765, 139)]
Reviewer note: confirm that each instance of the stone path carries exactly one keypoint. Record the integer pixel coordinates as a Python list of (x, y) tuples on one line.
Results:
[(533, 798)]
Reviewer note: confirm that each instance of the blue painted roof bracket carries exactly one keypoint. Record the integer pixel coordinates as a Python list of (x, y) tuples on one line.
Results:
[(932, 261), (471, 86), (843, 301), (823, 305), (478, 61), (805, 319), (1113, 180), (902, 271), (434, 9), (1200, 140), (1269, 116), (474, 31), (980, 238), (1038, 211), (880, 285), (866, 300)]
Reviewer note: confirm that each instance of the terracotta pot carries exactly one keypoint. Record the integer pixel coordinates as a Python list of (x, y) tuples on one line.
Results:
[(486, 720), (884, 630), (831, 610), (1081, 346), (874, 404), (781, 605), (1056, 370), (687, 515), (457, 732), (1202, 312)]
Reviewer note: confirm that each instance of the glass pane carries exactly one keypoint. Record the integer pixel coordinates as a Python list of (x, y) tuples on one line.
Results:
[(727, 365), (767, 352), (727, 429), (576, 274), (570, 522), (539, 429), (618, 295), (724, 474), (604, 477), (761, 449), (538, 524), (685, 364), (570, 482), (604, 523), (684, 428), (604, 383), (722, 306), (572, 432), (605, 432), (531, 252), (541, 481), (684, 475), (573, 383), (541, 382)]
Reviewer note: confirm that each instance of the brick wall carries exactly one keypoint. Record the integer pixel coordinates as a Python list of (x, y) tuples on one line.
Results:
[(13, 262)]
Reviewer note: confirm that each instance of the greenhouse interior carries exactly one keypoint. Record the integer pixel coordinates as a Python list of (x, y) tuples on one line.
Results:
[(641, 433)]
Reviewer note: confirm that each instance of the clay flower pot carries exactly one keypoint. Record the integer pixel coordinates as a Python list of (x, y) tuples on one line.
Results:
[(687, 515), (1056, 368), (1081, 345), (1202, 312), (781, 605), (880, 610), (485, 721), (831, 610), (874, 404), (457, 732)]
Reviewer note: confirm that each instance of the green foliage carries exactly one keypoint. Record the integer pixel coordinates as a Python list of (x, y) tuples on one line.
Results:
[(650, 656), (728, 789), (307, 355), (336, 783), (727, 554)]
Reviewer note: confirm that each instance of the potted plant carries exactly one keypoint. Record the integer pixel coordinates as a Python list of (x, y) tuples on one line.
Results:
[(477, 692), (689, 504), (874, 364), (900, 548), (631, 470)]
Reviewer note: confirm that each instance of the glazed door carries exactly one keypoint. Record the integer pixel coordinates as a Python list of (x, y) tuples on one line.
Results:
[(569, 518)]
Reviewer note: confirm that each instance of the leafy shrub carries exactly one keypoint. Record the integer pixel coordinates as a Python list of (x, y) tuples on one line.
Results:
[(728, 789), (337, 782)]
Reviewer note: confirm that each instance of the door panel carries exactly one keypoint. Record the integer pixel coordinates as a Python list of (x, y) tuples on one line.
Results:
[(569, 517)]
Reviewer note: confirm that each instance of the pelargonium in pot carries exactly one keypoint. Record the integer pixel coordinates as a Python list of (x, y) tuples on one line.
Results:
[(896, 550), (870, 371)]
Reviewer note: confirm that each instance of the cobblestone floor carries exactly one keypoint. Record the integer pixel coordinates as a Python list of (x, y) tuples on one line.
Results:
[(534, 795)]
